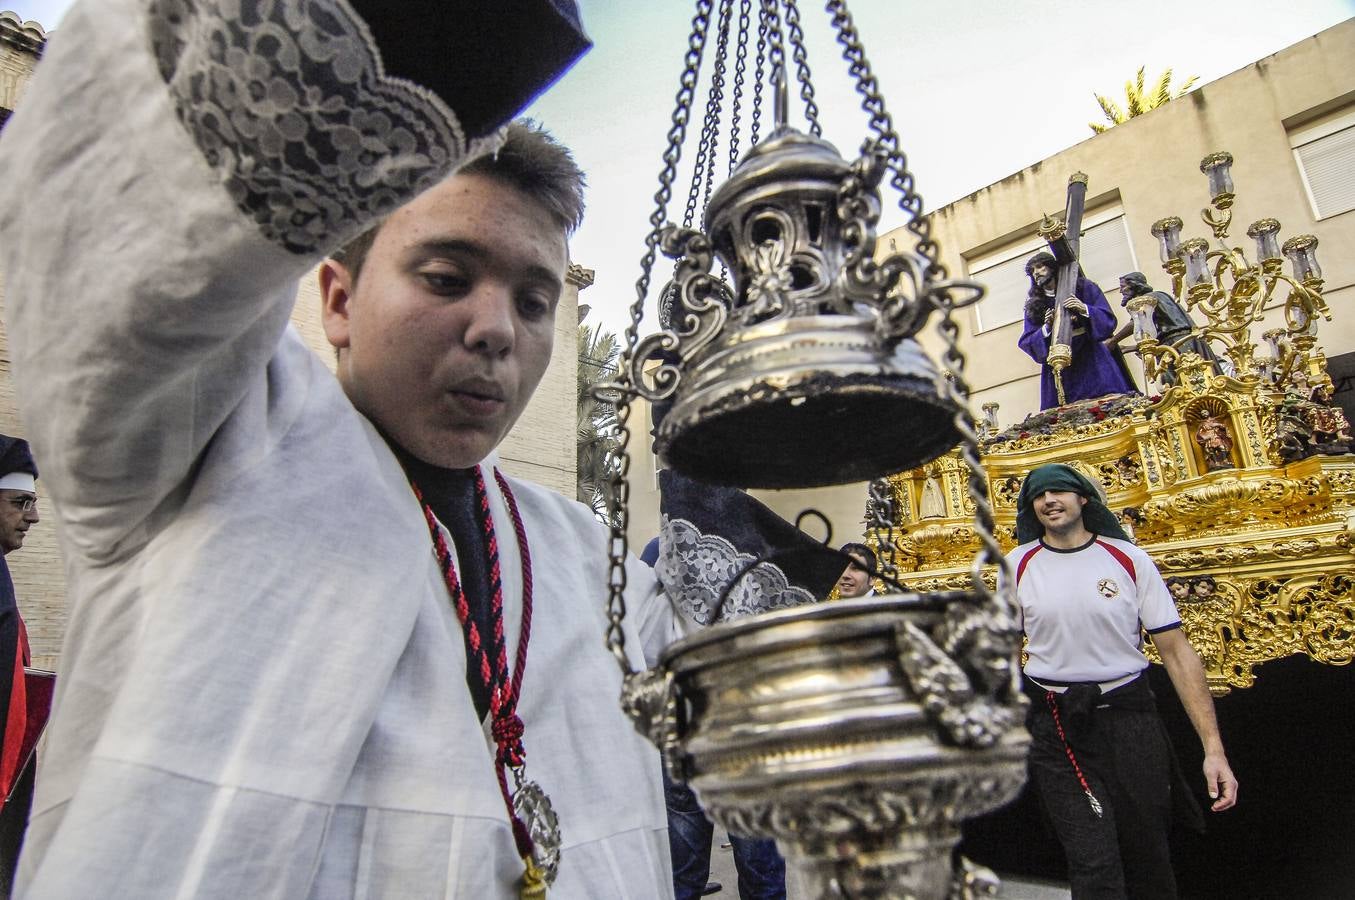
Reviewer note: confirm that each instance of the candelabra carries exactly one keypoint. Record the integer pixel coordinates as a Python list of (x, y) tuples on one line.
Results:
[(1232, 292)]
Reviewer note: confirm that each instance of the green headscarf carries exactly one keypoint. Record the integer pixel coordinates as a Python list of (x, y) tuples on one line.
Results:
[(1057, 477)]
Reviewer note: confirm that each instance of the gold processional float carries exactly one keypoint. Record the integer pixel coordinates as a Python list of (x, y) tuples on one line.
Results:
[(1235, 476), (858, 734)]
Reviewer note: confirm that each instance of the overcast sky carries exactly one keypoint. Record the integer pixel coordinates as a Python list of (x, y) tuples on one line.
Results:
[(979, 89)]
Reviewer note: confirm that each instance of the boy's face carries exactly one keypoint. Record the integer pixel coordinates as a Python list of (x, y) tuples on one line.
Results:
[(449, 328)]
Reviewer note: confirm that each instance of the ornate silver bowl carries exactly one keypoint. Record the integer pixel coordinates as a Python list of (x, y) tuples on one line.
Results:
[(858, 734)]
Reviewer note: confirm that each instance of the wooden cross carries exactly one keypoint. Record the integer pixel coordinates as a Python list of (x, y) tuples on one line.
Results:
[(1063, 238)]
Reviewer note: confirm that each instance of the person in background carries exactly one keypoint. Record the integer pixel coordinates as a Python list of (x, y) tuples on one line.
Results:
[(855, 580), (1099, 755)]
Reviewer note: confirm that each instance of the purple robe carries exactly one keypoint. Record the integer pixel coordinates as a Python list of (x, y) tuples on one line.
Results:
[(1094, 371)]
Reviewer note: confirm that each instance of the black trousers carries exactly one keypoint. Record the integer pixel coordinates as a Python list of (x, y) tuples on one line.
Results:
[(1123, 752)]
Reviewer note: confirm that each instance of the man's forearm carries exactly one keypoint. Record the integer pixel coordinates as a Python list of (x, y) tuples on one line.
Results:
[(1187, 675)]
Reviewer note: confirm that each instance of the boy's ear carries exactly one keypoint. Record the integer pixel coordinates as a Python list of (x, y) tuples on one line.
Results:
[(336, 295)]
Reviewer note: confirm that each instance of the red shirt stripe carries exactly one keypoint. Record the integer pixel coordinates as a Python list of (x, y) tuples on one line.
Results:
[(1021, 566), (1122, 558)]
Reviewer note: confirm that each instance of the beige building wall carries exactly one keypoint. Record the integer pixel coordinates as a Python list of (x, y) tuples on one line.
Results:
[(540, 447), (1149, 168)]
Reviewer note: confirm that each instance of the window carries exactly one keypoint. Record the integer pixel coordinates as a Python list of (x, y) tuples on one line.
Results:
[(1325, 153), (4, 116), (1105, 255)]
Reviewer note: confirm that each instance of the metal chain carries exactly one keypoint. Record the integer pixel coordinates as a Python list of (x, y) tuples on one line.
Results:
[(619, 486), (705, 154), (717, 95), (797, 43), (740, 63), (759, 81), (776, 58), (954, 387), (881, 524), (883, 126), (957, 391)]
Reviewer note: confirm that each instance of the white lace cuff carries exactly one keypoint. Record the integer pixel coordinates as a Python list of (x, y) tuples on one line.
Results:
[(695, 569), (288, 103)]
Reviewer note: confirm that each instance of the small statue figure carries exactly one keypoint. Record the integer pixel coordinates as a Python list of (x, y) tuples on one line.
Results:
[(1299, 384), (1217, 444), (1330, 429), (1205, 586), (1179, 588), (933, 504), (1173, 323), (1127, 523)]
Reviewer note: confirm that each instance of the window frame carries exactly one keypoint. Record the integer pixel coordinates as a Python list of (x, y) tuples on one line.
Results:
[(1032, 243), (1310, 133)]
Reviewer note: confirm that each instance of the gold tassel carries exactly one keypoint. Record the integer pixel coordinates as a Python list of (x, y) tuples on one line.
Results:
[(533, 881)]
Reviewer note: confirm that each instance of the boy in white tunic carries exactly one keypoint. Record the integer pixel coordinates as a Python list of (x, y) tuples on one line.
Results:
[(264, 688), (1099, 754)]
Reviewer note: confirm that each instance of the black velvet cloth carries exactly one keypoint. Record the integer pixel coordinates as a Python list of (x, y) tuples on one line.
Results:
[(448, 47), (753, 529)]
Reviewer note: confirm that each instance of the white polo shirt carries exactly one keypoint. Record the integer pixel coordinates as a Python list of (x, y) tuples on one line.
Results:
[(1083, 609)]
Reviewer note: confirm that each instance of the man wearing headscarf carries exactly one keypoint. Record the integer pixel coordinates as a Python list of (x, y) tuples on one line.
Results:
[(1094, 371), (1099, 754)]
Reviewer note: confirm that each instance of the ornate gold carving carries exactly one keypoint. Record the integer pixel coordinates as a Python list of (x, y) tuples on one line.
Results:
[(1230, 502)]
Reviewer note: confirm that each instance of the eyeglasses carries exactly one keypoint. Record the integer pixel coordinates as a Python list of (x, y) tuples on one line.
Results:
[(26, 504)]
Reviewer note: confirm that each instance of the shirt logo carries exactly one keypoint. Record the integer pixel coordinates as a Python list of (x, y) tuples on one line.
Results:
[(1108, 588)]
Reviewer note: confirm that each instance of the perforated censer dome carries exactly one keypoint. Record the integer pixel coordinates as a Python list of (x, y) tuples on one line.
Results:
[(804, 375)]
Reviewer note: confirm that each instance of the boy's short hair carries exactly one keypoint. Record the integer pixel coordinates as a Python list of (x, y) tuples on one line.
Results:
[(529, 159)]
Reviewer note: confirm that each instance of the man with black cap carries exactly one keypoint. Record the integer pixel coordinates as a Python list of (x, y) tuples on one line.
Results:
[(18, 513), (1099, 754), (1094, 370), (855, 580)]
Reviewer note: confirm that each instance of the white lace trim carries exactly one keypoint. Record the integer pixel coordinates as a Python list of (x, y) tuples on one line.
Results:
[(289, 103), (695, 568)]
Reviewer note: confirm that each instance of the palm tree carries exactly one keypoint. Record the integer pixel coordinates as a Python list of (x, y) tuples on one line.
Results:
[(599, 352), (1138, 100)]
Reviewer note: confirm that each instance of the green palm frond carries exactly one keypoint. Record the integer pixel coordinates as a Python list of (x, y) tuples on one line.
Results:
[(595, 424), (1112, 111), (1162, 91), (1139, 99)]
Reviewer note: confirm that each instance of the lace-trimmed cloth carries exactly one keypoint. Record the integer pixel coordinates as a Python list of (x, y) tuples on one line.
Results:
[(695, 569), (290, 105)]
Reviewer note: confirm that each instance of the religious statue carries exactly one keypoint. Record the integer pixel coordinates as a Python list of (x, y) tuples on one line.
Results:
[(1204, 588), (1330, 429), (1173, 323), (1094, 370), (933, 505), (1213, 437)]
